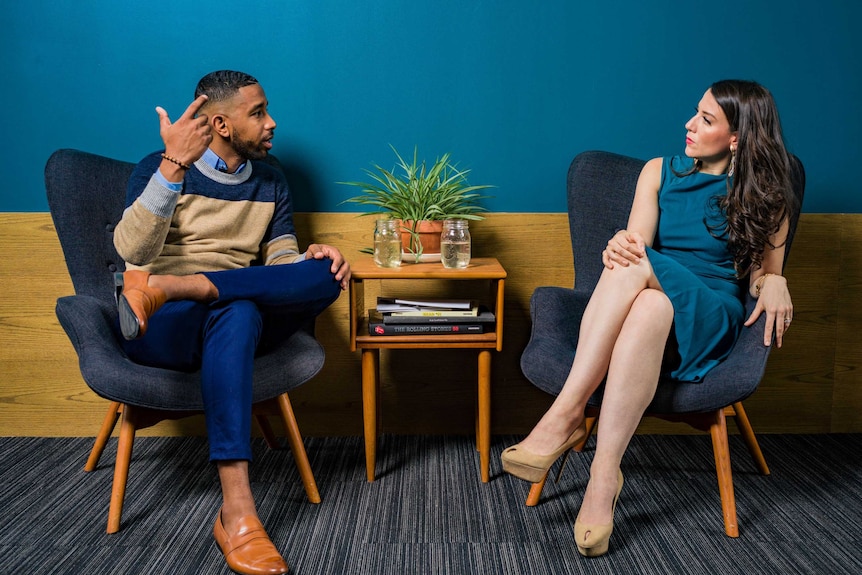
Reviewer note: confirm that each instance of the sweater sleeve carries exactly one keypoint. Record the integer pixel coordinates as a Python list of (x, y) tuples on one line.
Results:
[(140, 235), (280, 244)]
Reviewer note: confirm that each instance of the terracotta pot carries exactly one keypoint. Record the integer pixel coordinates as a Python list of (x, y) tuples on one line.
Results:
[(429, 236)]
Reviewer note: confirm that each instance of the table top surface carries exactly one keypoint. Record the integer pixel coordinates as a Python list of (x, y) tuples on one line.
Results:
[(479, 268)]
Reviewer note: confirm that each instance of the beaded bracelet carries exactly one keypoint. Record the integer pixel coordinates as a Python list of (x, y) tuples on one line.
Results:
[(177, 162), (759, 284)]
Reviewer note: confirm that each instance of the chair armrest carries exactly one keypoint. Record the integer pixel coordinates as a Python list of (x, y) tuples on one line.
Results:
[(89, 322), (556, 314), (743, 369), (91, 325)]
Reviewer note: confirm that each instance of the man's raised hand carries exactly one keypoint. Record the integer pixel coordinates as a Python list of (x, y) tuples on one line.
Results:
[(188, 138)]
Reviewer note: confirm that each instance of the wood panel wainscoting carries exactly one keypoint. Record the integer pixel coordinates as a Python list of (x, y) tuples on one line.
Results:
[(812, 385)]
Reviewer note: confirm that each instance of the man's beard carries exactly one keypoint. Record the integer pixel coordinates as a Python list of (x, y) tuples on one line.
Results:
[(246, 148)]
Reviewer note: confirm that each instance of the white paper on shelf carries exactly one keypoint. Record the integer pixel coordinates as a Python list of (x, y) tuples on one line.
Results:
[(387, 304)]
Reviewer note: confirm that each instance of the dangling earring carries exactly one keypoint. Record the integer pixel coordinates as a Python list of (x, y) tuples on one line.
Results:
[(732, 163)]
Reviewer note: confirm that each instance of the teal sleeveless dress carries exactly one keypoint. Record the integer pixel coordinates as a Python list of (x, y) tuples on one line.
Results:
[(695, 270)]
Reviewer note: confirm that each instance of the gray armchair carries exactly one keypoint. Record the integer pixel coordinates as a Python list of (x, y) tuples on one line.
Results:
[(86, 195), (601, 188)]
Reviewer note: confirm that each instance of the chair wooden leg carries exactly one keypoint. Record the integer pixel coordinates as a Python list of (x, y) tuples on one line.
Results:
[(747, 433), (721, 450), (115, 409), (536, 492), (299, 454), (121, 468), (267, 432), (536, 488)]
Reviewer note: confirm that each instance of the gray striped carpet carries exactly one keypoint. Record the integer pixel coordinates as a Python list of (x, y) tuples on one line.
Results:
[(428, 512)]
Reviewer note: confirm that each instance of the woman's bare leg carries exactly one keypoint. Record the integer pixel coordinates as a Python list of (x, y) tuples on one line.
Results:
[(631, 384), (601, 326)]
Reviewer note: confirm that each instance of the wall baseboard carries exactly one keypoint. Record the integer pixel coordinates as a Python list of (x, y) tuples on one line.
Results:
[(812, 385)]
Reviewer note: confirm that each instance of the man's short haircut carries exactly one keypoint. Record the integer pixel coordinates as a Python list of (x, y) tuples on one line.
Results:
[(223, 85)]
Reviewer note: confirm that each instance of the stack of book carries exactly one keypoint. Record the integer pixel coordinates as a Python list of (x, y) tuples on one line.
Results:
[(396, 316)]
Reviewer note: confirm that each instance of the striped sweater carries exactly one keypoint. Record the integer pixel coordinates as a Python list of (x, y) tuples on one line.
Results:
[(219, 221)]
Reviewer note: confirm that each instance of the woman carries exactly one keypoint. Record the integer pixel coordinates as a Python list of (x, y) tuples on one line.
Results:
[(669, 301)]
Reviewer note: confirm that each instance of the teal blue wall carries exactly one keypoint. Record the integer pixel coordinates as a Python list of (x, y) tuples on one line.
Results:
[(512, 89)]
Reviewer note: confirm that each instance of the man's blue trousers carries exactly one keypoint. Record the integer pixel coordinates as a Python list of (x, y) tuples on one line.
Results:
[(256, 307)]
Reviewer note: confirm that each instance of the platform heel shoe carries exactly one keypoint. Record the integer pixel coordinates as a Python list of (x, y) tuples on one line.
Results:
[(596, 543), (532, 467)]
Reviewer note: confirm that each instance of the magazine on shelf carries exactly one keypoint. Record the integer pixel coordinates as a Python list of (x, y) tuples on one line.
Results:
[(434, 312), (376, 326), (388, 304), (482, 315)]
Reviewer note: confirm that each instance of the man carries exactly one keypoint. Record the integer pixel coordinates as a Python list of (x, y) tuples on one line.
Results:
[(198, 216)]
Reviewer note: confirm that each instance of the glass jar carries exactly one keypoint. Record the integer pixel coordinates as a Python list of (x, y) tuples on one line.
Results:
[(455, 244), (387, 243)]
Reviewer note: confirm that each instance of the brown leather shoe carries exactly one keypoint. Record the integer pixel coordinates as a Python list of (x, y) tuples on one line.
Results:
[(249, 551), (136, 302)]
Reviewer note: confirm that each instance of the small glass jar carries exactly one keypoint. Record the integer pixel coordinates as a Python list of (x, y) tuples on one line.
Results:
[(455, 244), (387, 243)]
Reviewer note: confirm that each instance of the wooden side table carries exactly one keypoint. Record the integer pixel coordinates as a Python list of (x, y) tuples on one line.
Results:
[(487, 269)]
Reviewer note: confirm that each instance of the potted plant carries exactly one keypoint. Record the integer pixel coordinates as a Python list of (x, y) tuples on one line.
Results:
[(421, 197)]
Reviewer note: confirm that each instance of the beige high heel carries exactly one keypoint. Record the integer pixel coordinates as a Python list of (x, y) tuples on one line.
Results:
[(596, 543), (532, 467)]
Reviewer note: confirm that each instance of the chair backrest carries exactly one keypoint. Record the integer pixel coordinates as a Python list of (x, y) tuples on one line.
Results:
[(86, 195), (797, 181), (601, 188)]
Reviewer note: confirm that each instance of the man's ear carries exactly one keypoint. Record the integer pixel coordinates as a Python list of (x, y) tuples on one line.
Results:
[(220, 125)]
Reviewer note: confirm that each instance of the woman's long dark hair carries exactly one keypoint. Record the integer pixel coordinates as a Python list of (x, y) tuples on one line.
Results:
[(759, 193)]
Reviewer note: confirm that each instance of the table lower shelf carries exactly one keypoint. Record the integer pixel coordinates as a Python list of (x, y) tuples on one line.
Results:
[(472, 341)]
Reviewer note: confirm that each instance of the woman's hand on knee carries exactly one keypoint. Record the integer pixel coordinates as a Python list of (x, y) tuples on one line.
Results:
[(624, 248)]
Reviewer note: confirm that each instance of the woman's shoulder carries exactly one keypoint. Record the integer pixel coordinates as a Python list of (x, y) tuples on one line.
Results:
[(675, 168), (663, 171), (679, 164), (653, 168)]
